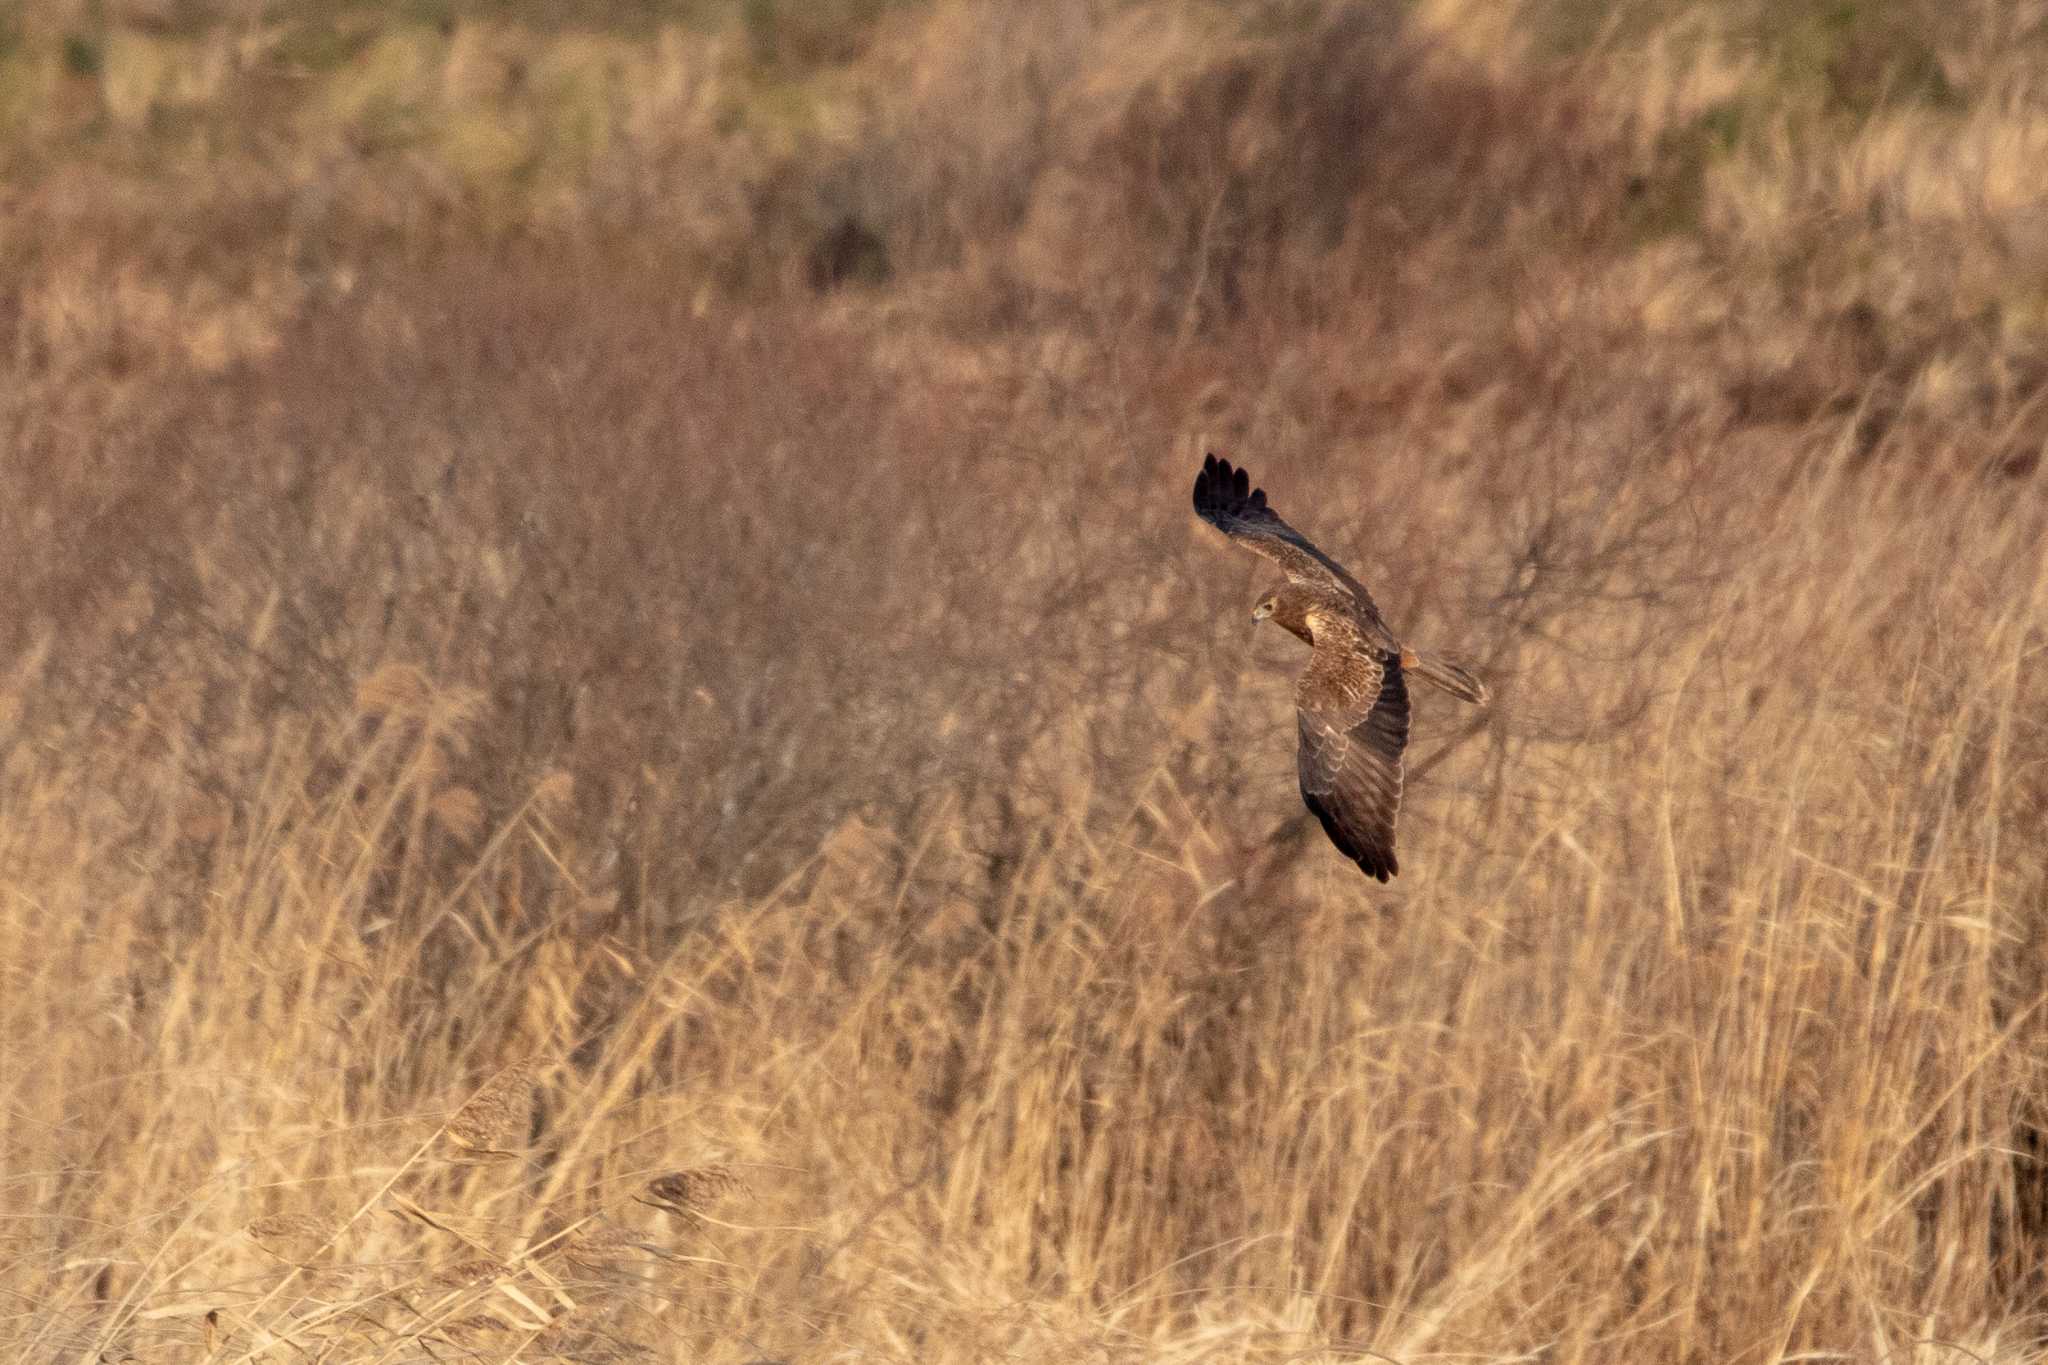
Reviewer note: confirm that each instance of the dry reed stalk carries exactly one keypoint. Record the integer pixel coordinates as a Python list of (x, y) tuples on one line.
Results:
[(465, 1274), (396, 689), (434, 1292), (292, 1237), (1048, 1030), (690, 1193), (460, 811), (599, 1244), (489, 1125)]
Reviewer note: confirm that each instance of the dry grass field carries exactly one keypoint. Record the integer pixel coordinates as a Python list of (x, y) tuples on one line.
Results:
[(617, 741)]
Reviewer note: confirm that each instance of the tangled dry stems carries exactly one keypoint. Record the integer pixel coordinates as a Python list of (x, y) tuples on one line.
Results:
[(688, 1194), (487, 1125), (469, 613)]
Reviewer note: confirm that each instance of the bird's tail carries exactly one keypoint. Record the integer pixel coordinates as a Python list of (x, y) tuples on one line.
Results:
[(1459, 682)]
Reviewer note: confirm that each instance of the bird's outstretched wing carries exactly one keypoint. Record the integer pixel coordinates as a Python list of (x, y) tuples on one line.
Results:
[(1225, 498), (1352, 707)]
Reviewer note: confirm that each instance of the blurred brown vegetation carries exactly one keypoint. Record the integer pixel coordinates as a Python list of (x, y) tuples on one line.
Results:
[(603, 601)]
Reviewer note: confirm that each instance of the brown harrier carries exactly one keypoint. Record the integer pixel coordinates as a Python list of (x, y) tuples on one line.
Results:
[(1352, 701)]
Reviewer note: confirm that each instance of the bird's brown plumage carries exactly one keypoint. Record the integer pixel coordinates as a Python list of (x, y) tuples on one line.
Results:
[(1351, 702)]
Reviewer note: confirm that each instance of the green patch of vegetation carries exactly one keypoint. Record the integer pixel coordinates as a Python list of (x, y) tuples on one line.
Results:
[(1851, 57), (488, 151), (379, 96), (1282, 18), (619, 17), (83, 56), (20, 92), (810, 33), (320, 47), (1846, 57), (1669, 198), (1563, 29), (611, 16), (776, 107), (440, 14), (575, 105)]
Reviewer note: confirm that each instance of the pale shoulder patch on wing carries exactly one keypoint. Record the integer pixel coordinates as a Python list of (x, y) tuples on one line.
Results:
[(1225, 498)]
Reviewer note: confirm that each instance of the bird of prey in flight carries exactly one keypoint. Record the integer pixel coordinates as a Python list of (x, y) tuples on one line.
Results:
[(1351, 702)]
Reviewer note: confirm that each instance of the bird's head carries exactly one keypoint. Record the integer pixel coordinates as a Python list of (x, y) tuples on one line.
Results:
[(1287, 608)]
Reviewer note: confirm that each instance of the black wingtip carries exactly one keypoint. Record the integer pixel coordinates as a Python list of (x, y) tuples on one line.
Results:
[(1383, 867), (1225, 489), (1215, 476), (1380, 864)]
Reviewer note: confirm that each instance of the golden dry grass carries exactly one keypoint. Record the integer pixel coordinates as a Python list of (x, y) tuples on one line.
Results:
[(564, 795)]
